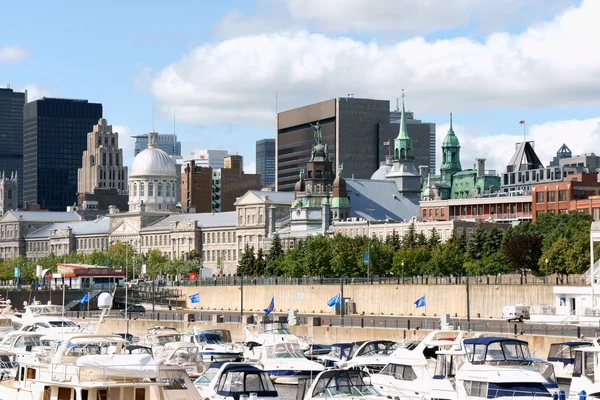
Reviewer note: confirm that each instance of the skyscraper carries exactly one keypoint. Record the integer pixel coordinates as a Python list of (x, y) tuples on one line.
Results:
[(165, 142), (55, 137), (265, 161), (11, 136)]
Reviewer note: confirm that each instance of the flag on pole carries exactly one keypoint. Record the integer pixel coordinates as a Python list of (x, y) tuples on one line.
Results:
[(270, 307), (337, 299), (420, 302), (386, 143), (85, 298), (195, 298), (522, 121)]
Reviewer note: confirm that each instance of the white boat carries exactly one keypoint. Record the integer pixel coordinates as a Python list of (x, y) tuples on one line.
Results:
[(158, 336), (212, 349), (285, 363), (340, 385), (371, 354), (183, 354), (83, 368), (488, 367), (24, 345), (586, 372), (268, 332), (338, 352), (235, 381), (43, 318), (562, 357)]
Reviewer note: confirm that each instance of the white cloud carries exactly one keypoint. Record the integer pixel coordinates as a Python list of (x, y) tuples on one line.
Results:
[(580, 136), (12, 53), (126, 142), (35, 92), (250, 168), (550, 64)]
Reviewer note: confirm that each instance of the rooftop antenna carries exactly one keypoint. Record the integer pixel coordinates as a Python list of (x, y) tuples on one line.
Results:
[(152, 115)]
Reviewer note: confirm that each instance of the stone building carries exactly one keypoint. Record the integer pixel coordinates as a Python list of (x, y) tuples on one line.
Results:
[(9, 192)]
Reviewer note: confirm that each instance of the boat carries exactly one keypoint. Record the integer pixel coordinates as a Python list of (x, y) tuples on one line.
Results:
[(488, 367), (371, 354), (269, 332), (285, 363), (158, 336), (24, 345), (586, 372), (183, 354), (212, 349), (43, 318), (202, 381), (562, 357), (237, 380), (6, 314), (338, 384), (338, 352)]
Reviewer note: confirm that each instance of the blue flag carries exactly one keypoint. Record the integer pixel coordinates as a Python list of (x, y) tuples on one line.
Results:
[(195, 298), (85, 298), (420, 302), (270, 307), (337, 299)]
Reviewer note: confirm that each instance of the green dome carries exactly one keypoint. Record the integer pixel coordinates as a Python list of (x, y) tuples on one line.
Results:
[(340, 202), (451, 140)]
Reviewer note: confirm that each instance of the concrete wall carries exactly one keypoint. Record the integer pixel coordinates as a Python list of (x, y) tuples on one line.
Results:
[(317, 334), (486, 300)]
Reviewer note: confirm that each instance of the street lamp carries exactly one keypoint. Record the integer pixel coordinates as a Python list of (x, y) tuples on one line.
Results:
[(402, 263)]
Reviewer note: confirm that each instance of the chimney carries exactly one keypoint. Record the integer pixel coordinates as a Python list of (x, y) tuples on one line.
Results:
[(480, 166), (271, 221), (325, 216), (112, 209)]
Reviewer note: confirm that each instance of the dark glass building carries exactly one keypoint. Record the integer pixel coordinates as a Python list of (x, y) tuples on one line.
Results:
[(11, 135), (265, 161), (55, 137)]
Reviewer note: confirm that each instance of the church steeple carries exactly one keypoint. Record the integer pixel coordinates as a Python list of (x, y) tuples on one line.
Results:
[(403, 143), (450, 153)]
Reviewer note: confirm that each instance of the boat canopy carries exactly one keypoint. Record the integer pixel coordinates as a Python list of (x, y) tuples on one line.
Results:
[(343, 383), (275, 328), (239, 379), (496, 349), (565, 352)]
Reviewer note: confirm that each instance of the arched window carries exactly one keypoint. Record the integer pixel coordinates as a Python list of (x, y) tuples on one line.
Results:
[(9, 194), (135, 189), (453, 157), (159, 189), (402, 153)]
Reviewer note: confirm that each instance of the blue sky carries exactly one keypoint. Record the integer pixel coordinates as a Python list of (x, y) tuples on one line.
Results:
[(219, 65)]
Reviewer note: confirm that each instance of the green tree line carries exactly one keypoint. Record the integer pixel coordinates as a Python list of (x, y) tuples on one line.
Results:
[(562, 240)]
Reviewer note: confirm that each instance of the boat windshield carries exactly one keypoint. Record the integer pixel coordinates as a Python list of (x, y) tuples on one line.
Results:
[(276, 328), (64, 323), (45, 310), (284, 350), (234, 383), (565, 352), (184, 355), (94, 348), (203, 338), (447, 365), (27, 341), (207, 376), (498, 351), (340, 352), (339, 383), (378, 348), (161, 340)]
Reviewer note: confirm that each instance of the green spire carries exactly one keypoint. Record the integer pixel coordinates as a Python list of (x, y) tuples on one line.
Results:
[(403, 143)]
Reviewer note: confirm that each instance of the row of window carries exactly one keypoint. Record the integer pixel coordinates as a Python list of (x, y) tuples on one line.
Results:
[(540, 197), (222, 255), (439, 212), (168, 192), (218, 237)]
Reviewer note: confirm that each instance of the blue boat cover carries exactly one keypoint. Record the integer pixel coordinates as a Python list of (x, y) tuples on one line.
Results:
[(486, 340)]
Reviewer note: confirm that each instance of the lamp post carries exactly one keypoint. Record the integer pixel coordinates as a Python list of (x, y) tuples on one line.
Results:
[(402, 263), (242, 299)]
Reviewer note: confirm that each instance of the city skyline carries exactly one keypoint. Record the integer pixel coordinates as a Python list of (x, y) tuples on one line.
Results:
[(499, 70)]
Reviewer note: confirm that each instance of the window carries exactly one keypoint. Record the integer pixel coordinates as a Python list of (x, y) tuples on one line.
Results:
[(539, 197), (141, 188), (173, 191), (135, 189), (167, 188), (424, 213), (150, 189), (430, 213), (400, 372), (476, 389), (159, 189), (443, 211), (436, 212), (551, 197), (562, 195)]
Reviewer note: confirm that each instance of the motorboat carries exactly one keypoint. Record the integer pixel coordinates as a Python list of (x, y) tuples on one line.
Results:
[(225, 334), (212, 349), (183, 354), (207, 375), (269, 332), (43, 318), (586, 372), (236, 380), (562, 357), (285, 363), (338, 384), (371, 354), (547, 370), (158, 336), (6, 314), (338, 352), (24, 345), (315, 350), (488, 367), (8, 364)]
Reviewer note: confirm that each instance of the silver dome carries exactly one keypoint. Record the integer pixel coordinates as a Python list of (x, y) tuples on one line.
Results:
[(153, 162)]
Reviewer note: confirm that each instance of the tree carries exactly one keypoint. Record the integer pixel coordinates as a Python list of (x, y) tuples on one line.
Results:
[(317, 256), (476, 241), (247, 261), (156, 263), (492, 241), (415, 261), (347, 257), (394, 240), (260, 263), (421, 240), (523, 250), (293, 261), (410, 237), (434, 239), (447, 259), (275, 258), (382, 257)]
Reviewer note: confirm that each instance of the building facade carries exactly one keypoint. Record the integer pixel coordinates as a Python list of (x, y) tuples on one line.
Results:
[(9, 192), (265, 161), (205, 189), (11, 132), (356, 131), (166, 142), (577, 193), (55, 137), (207, 158), (496, 208), (102, 161)]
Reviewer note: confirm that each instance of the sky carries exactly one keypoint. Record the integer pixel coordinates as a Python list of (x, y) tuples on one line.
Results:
[(218, 67)]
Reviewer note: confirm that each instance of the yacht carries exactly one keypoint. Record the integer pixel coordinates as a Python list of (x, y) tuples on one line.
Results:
[(562, 357), (586, 372), (158, 336), (285, 363), (213, 349), (371, 354), (267, 332), (84, 368), (182, 354), (488, 367), (43, 318), (207, 375), (236, 380), (338, 352), (24, 345), (338, 384)]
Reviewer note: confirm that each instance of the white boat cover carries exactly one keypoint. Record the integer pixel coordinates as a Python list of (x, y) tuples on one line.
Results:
[(121, 365)]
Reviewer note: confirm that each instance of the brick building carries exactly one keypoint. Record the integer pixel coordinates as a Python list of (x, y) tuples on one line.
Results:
[(577, 193), (498, 208)]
